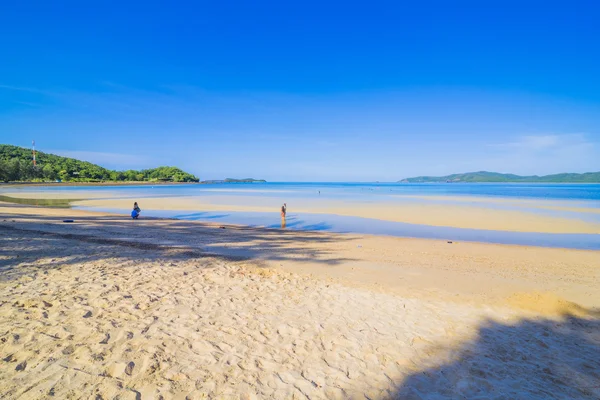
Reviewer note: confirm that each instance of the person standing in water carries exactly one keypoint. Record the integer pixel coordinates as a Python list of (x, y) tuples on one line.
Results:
[(283, 212)]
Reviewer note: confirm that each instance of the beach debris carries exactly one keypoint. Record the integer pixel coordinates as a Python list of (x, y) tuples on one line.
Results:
[(129, 368), (450, 241), (87, 314), (360, 245), (21, 366), (106, 338)]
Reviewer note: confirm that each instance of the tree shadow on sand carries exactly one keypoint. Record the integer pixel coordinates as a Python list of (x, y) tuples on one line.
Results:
[(173, 238), (533, 359)]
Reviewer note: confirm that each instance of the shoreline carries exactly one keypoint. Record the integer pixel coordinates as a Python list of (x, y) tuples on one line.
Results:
[(436, 215), (128, 183), (123, 216), (92, 221), (443, 212)]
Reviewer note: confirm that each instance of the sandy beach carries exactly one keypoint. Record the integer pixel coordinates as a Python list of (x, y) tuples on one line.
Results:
[(150, 309), (278, 201)]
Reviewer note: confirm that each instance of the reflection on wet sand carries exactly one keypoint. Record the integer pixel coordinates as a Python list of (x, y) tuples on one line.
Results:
[(61, 203)]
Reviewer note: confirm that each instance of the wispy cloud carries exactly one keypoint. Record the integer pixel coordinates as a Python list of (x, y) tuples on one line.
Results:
[(548, 153), (27, 89), (110, 160), (544, 142)]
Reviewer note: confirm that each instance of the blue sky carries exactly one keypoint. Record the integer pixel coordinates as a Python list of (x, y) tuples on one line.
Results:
[(306, 91)]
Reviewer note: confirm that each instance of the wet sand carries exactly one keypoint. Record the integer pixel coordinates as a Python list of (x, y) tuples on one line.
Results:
[(468, 212), (153, 308), (448, 215)]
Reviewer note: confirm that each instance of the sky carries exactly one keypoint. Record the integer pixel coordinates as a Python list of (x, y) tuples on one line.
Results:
[(306, 91)]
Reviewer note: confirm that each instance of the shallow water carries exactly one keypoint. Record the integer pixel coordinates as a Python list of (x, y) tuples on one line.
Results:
[(588, 194), (560, 200), (345, 224)]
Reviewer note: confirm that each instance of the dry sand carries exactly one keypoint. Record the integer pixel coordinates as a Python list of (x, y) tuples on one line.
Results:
[(108, 307)]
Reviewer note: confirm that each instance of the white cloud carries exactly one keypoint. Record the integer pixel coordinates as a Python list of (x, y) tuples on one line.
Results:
[(542, 142), (546, 154)]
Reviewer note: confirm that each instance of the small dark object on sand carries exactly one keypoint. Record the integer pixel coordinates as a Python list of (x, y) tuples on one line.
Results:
[(450, 241), (68, 220), (129, 368)]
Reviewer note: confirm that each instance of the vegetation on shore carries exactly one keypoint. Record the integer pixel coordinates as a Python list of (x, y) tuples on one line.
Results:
[(16, 165), (484, 176)]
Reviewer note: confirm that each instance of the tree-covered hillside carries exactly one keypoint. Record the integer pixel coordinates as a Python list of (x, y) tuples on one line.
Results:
[(484, 176), (16, 165)]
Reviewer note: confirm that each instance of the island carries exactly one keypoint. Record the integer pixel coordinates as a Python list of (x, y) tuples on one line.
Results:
[(495, 177)]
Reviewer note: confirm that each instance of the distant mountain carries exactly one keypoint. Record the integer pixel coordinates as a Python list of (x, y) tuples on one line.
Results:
[(231, 180), (484, 176), (16, 165)]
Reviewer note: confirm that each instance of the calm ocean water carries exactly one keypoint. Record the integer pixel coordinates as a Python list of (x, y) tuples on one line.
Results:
[(575, 195), (589, 193)]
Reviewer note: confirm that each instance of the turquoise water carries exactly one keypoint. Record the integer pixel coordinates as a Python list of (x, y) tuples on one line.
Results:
[(587, 193), (565, 195)]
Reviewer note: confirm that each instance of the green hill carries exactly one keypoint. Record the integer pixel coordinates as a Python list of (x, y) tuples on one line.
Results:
[(484, 176), (16, 166)]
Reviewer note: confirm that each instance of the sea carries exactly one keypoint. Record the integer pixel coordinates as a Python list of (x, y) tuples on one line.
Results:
[(572, 196)]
